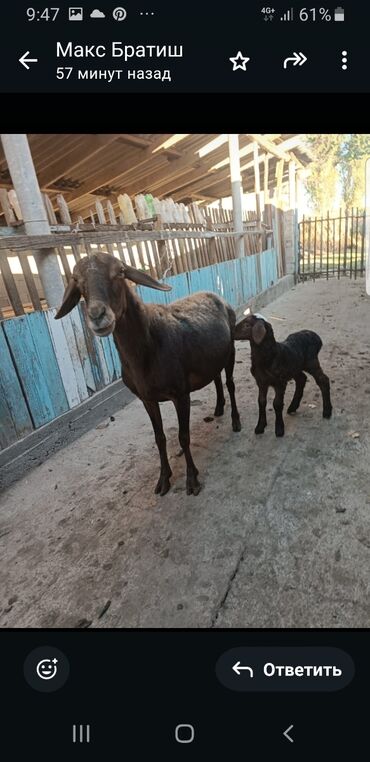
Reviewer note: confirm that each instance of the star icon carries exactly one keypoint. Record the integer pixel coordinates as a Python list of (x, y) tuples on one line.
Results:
[(239, 61)]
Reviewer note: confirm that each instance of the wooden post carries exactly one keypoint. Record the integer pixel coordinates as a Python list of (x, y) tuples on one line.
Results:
[(22, 172), (257, 190), (292, 189), (236, 192), (211, 243)]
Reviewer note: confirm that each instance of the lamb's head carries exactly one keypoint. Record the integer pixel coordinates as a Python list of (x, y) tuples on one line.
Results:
[(100, 279), (253, 328)]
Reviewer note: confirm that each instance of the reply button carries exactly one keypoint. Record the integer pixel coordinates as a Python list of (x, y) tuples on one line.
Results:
[(282, 668)]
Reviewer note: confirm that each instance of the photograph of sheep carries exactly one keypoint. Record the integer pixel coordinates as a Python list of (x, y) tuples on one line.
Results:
[(184, 380)]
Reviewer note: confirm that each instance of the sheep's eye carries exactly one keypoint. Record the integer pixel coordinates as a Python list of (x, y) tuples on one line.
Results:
[(122, 271)]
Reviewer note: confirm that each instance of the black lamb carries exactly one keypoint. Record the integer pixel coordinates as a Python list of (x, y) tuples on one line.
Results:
[(274, 363)]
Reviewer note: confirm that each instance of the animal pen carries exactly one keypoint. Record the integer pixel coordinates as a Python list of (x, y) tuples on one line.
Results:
[(63, 197)]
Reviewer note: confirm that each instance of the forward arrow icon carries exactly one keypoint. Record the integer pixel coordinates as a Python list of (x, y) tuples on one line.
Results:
[(296, 58)]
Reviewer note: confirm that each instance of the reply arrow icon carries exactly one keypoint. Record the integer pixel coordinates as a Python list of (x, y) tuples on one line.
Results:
[(25, 61), (238, 667), (296, 58)]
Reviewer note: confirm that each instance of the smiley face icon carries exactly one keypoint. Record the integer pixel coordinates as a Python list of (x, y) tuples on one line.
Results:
[(47, 668)]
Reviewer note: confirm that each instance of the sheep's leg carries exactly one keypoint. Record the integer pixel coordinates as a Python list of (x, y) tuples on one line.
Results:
[(300, 383), (324, 385), (278, 407), (262, 400), (229, 370), (182, 405), (220, 404), (163, 484)]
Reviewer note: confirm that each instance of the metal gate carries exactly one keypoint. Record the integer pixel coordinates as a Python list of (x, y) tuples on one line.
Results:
[(332, 246)]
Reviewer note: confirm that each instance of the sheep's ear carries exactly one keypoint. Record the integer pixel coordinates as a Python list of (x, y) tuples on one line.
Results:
[(242, 330), (258, 332), (71, 297), (142, 279)]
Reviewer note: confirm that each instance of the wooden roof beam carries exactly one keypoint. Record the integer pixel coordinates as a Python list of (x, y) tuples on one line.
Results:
[(115, 170), (271, 147), (63, 166)]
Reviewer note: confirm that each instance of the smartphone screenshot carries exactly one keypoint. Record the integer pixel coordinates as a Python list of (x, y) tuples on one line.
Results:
[(184, 381)]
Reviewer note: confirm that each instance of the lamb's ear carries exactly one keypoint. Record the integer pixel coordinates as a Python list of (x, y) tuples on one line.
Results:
[(142, 279), (242, 330), (259, 331), (72, 296)]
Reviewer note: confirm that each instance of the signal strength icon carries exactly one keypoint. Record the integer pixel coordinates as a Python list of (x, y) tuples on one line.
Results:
[(288, 16)]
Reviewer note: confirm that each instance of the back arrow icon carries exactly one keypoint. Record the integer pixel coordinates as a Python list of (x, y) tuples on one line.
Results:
[(25, 61), (286, 733), (297, 58)]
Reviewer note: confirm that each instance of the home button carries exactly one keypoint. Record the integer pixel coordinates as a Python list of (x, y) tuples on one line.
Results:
[(184, 733)]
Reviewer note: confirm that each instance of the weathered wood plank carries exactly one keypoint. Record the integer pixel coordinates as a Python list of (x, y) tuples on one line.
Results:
[(104, 370), (9, 215), (10, 285), (79, 334), (69, 333), (21, 242), (91, 348), (115, 357), (105, 343), (15, 420), (37, 368), (62, 353), (30, 281)]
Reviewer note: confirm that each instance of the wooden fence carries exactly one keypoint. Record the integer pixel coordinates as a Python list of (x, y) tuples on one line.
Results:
[(48, 367), (333, 245), (160, 248)]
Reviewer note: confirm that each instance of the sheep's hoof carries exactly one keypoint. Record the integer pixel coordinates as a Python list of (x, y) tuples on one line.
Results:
[(163, 484), (236, 424), (279, 432), (192, 485), (292, 409), (327, 413), (259, 429), (218, 411)]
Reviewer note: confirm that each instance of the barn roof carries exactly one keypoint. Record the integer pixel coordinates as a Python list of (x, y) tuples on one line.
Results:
[(187, 167)]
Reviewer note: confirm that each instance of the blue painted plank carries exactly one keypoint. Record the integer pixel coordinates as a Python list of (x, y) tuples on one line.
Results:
[(48, 361), (108, 358), (15, 420), (63, 357), (91, 349), (8, 434), (37, 368), (79, 335), (116, 357), (67, 325), (99, 349)]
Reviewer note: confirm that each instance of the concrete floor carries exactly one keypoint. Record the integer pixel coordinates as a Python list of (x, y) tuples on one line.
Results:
[(278, 537)]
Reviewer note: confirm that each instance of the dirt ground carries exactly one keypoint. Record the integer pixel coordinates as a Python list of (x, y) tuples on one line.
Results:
[(278, 537)]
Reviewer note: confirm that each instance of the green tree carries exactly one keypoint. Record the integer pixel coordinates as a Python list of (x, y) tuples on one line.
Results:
[(337, 171), (322, 183), (354, 152)]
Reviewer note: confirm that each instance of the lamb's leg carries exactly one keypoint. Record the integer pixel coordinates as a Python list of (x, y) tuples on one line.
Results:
[(262, 399), (182, 405), (324, 384), (220, 404), (278, 407), (229, 370), (154, 413), (300, 383)]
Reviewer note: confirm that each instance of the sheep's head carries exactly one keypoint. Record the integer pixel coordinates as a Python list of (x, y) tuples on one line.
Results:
[(252, 328), (100, 279)]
